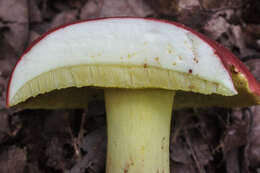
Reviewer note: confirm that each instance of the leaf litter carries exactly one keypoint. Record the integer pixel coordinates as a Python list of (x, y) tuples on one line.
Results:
[(203, 140)]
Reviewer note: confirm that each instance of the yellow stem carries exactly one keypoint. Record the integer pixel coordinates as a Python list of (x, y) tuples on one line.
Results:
[(138, 130)]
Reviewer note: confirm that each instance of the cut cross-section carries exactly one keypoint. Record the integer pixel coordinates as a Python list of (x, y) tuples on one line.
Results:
[(120, 52)]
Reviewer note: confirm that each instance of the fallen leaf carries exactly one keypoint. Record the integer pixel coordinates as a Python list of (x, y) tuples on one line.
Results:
[(253, 65), (34, 12), (230, 35), (64, 18), (91, 9), (217, 25), (14, 16), (94, 144), (125, 8), (180, 153)]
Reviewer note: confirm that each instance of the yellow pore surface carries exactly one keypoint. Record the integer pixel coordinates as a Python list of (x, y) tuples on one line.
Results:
[(84, 82)]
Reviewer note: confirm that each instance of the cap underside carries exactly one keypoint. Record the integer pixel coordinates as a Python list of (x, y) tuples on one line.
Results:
[(75, 86)]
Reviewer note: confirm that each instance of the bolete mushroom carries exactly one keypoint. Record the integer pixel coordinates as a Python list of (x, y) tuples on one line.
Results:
[(145, 67)]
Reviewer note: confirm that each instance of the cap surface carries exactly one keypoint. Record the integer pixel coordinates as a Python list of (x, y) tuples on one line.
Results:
[(129, 53)]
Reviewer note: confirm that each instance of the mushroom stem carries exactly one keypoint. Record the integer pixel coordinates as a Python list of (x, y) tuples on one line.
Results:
[(138, 130)]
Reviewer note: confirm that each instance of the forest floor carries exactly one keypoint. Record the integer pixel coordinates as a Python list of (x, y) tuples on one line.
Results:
[(205, 140)]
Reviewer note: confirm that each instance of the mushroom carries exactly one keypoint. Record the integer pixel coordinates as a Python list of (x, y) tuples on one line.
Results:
[(143, 68)]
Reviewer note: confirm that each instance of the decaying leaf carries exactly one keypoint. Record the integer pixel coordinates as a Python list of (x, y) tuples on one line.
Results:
[(35, 15), (64, 18), (125, 8), (14, 17), (94, 145)]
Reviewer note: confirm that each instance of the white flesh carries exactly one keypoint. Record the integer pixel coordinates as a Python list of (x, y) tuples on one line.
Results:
[(128, 42)]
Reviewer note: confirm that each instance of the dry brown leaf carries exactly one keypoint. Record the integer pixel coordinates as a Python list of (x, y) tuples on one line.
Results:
[(14, 11), (59, 155), (14, 16), (91, 9), (64, 17), (218, 25), (187, 12), (180, 154), (254, 65), (94, 144), (230, 35), (34, 12), (235, 136), (112, 8)]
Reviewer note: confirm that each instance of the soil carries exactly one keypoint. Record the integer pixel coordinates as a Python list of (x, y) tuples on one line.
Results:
[(205, 140)]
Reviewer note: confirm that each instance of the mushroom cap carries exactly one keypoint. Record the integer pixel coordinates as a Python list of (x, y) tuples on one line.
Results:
[(70, 65)]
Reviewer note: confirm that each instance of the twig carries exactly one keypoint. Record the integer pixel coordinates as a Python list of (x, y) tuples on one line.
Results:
[(193, 153), (81, 130), (74, 141)]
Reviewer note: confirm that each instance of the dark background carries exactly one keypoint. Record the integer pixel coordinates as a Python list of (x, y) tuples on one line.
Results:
[(74, 141)]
